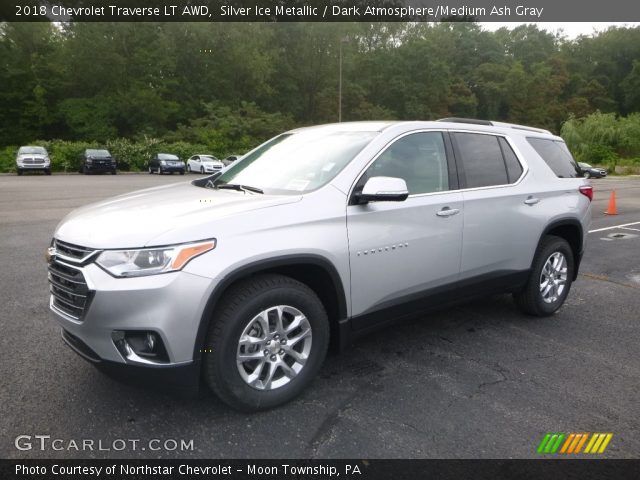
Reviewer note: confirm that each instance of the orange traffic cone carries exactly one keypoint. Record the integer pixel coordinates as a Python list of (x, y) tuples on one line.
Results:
[(611, 209)]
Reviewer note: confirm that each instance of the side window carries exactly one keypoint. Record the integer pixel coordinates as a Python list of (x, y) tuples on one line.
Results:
[(482, 160), (557, 156), (514, 168), (419, 159)]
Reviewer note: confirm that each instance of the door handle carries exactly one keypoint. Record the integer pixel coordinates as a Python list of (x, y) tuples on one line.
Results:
[(531, 200), (447, 212)]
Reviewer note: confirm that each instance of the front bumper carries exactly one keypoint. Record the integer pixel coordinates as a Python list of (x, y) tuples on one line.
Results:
[(169, 305), (33, 166), (172, 169), (182, 379), (100, 167)]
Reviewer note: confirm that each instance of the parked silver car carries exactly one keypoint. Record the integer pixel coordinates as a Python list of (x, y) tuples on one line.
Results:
[(32, 158), (244, 278)]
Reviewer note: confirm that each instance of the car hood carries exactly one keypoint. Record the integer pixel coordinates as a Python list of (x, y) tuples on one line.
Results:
[(136, 219)]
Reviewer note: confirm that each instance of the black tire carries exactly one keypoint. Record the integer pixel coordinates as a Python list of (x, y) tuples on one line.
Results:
[(150, 171), (47, 172), (530, 299), (587, 175), (188, 168), (85, 170), (19, 171), (114, 172), (241, 304), (202, 170), (160, 171), (181, 172)]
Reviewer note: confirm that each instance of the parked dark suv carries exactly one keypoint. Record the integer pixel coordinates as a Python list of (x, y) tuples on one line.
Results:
[(166, 163), (97, 160)]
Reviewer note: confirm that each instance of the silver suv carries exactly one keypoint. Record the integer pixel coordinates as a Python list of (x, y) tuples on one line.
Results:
[(245, 277)]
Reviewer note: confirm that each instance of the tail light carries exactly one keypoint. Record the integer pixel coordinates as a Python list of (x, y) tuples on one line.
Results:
[(587, 191)]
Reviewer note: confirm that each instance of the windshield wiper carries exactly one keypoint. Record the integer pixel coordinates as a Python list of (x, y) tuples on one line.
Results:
[(240, 188)]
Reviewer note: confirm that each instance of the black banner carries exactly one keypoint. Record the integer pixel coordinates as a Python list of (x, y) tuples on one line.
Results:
[(318, 469), (318, 10)]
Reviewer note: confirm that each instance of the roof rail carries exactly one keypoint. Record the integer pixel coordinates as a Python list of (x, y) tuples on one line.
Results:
[(521, 127), (465, 120), (474, 121)]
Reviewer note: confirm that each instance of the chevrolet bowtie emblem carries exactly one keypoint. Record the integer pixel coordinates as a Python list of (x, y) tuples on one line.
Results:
[(50, 254)]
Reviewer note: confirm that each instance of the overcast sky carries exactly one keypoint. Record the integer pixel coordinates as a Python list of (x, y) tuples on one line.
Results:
[(569, 29)]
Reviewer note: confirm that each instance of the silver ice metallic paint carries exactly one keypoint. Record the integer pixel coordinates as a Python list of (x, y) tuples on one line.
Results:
[(380, 250)]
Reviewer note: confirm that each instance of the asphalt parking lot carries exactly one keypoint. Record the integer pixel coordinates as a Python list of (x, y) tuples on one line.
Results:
[(477, 381)]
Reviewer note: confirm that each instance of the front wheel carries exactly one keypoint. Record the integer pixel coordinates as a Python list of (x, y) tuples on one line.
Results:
[(19, 171), (47, 172), (266, 342), (202, 170), (587, 175), (550, 278)]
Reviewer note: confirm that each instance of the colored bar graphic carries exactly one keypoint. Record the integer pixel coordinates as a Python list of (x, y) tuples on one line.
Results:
[(543, 443), (582, 440), (572, 443), (567, 443), (605, 443)]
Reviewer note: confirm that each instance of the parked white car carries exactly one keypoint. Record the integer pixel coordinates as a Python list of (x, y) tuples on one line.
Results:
[(204, 164)]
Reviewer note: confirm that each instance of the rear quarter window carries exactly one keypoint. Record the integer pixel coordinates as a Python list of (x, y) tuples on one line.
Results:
[(556, 154)]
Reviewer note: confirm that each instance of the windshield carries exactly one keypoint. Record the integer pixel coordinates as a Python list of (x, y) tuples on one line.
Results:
[(32, 150), (208, 158), (584, 165), (167, 156), (98, 153), (296, 162)]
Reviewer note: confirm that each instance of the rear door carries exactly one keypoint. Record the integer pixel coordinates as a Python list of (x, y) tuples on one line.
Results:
[(502, 223), (405, 254)]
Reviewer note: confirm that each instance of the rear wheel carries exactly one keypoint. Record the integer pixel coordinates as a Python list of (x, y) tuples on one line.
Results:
[(266, 342), (181, 172), (188, 168), (587, 175), (550, 278)]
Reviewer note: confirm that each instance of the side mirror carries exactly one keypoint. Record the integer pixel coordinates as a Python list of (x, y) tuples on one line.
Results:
[(381, 189)]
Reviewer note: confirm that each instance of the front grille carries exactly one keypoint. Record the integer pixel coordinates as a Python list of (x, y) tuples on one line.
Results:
[(68, 289), (72, 251), (33, 161)]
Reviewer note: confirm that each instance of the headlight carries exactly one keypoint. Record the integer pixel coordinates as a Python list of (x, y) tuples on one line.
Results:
[(151, 261), (89, 161), (162, 162)]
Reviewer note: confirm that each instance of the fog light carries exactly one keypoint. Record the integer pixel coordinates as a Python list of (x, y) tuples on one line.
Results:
[(151, 341), (140, 346)]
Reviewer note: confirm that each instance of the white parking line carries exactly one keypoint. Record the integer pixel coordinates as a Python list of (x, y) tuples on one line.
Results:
[(614, 227)]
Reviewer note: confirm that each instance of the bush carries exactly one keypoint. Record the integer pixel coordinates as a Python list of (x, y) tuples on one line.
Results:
[(603, 138)]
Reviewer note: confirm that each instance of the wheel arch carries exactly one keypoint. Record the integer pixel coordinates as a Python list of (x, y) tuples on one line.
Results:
[(315, 271), (571, 230)]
